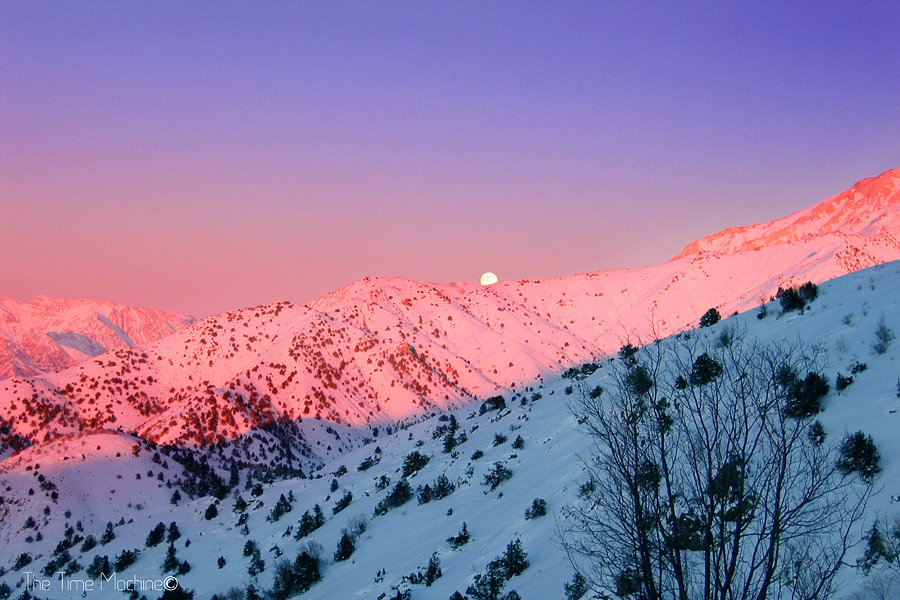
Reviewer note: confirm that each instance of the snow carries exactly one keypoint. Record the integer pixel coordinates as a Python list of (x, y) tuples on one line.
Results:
[(392, 353), (842, 321)]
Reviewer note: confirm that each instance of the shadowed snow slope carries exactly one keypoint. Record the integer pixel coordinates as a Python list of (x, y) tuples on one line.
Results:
[(98, 478)]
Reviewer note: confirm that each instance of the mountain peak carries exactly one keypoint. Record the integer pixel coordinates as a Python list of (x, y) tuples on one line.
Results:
[(867, 208)]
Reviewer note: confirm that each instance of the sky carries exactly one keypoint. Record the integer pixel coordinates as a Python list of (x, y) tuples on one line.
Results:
[(206, 156)]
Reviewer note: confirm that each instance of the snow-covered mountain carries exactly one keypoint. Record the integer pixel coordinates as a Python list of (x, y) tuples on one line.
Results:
[(52, 334), (865, 215), (311, 382), (99, 482)]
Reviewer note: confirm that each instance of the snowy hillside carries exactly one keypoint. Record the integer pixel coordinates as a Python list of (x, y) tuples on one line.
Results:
[(51, 334), (868, 209), (536, 437), (290, 387)]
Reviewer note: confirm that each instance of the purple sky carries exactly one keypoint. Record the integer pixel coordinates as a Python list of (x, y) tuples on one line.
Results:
[(206, 156)]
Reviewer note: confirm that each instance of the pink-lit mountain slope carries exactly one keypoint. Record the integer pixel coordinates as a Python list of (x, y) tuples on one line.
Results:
[(868, 214), (51, 334), (301, 384)]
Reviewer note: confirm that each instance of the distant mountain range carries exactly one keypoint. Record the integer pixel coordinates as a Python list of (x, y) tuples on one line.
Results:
[(379, 351), (51, 334)]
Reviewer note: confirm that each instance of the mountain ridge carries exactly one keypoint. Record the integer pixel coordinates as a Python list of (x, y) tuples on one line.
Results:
[(868, 207), (382, 351), (50, 334)]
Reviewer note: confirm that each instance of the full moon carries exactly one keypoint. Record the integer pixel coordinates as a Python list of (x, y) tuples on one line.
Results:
[(488, 279)]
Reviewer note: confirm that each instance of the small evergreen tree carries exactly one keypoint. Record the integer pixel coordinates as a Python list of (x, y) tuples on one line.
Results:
[(345, 548), (100, 565), (156, 535), (433, 570), (577, 588), (126, 558), (710, 317), (343, 502), (257, 564), (790, 300), (22, 561), (173, 532), (538, 509), (461, 538), (497, 475), (306, 571), (414, 462), (808, 291), (170, 562), (858, 453), (108, 534), (515, 560)]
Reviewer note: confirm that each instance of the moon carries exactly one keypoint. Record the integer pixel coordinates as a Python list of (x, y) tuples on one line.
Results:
[(488, 279)]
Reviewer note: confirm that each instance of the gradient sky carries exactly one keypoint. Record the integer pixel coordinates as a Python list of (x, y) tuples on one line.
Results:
[(203, 156)]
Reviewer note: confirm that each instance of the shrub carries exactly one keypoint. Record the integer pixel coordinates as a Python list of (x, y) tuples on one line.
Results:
[(22, 561), (790, 300), (577, 588), (100, 565), (414, 462), (398, 496), (357, 525), (538, 509), (859, 454), (173, 533), (842, 382), (282, 507), (342, 503), (817, 434), (492, 403), (367, 464), (497, 475), (478, 453), (883, 337), (306, 571), (156, 535), (804, 397), (637, 380), (705, 369), (518, 443), (431, 573), (499, 439), (211, 512), (257, 564), (710, 317), (345, 547), (170, 562), (460, 539), (808, 291), (126, 558), (108, 534), (515, 559), (310, 522)]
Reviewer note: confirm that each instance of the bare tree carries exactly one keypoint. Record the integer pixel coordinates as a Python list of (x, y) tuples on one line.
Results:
[(701, 486)]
